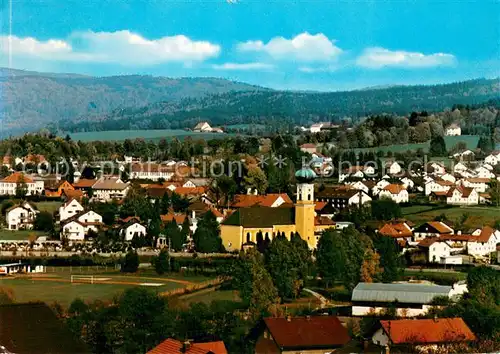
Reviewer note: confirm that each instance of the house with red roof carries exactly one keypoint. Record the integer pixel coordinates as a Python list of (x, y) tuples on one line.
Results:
[(483, 241), (461, 195), (432, 229), (400, 230), (271, 200), (310, 334), (427, 334), (172, 346), (396, 192), (9, 185)]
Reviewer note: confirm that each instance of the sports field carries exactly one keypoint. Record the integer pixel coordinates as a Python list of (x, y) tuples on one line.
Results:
[(59, 286)]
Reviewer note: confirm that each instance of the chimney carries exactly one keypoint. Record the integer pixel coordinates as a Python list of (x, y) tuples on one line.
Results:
[(308, 317), (435, 318), (289, 318), (459, 232)]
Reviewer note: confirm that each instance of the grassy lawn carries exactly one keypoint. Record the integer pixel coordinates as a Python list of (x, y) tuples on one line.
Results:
[(50, 207), (151, 134), (477, 216), (9, 235), (212, 295), (416, 209), (57, 286)]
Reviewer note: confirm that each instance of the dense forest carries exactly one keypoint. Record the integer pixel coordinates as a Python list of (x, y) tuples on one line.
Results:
[(31, 99), (303, 108)]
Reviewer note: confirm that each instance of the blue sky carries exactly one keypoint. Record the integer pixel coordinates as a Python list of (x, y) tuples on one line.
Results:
[(306, 45)]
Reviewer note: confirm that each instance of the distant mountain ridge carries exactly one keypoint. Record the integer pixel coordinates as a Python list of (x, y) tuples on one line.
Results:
[(32, 100), (72, 102), (266, 106)]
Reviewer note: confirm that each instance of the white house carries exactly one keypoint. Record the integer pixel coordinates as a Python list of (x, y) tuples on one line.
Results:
[(480, 185), (459, 167), (316, 128), (151, 171), (438, 186), (109, 188), (393, 168), (436, 249), (467, 154), (484, 241), (448, 177), (408, 183), (453, 130), (9, 185), (361, 186), (69, 209), (129, 231), (79, 225), (493, 159), (461, 195), (436, 168), (74, 231), (380, 185), (202, 127), (21, 216), (432, 229), (396, 192), (483, 172), (308, 147)]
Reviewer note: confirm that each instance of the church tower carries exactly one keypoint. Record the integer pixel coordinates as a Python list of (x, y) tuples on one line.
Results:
[(304, 207)]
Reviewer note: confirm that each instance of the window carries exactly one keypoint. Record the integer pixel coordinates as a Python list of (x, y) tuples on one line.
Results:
[(309, 197), (248, 237)]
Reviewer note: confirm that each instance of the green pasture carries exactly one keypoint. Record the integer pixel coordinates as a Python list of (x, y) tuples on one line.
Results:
[(151, 134)]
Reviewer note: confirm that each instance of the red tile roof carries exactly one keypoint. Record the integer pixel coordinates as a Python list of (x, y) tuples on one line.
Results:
[(308, 332), (84, 183), (394, 188), (17, 177), (428, 331), (189, 190), (172, 346), (73, 194), (485, 234), (440, 227), (267, 200), (396, 230), (464, 191), (323, 220), (320, 205)]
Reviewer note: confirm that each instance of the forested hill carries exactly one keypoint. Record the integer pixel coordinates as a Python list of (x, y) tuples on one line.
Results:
[(287, 106), (31, 100)]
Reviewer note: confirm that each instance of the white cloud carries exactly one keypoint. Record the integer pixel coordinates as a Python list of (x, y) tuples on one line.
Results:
[(122, 47), (318, 69), (243, 66), (303, 47), (376, 58)]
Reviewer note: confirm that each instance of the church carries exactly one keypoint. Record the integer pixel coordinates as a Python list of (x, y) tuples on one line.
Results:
[(242, 226)]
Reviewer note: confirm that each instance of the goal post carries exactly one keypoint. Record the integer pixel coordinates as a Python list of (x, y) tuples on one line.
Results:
[(82, 279)]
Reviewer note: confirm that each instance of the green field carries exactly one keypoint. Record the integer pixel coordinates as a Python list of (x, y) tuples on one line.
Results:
[(9, 235), (477, 216), (57, 286), (152, 134), (209, 295), (470, 140)]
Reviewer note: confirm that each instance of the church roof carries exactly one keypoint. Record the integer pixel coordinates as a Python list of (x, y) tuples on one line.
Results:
[(261, 217), (305, 174)]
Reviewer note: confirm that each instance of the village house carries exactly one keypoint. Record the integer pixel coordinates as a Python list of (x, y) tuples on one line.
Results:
[(427, 334), (493, 159), (413, 299), (172, 346), (357, 172), (392, 168), (432, 229), (69, 209), (379, 186), (131, 229), (18, 180), (480, 185), (364, 186), (202, 127), (437, 186), (460, 195), (396, 192), (77, 227), (22, 216), (483, 172), (453, 130), (151, 171), (306, 335), (435, 168), (483, 241), (459, 167), (343, 198), (408, 183), (109, 188), (400, 230), (55, 188), (467, 155), (438, 250)]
